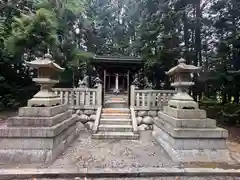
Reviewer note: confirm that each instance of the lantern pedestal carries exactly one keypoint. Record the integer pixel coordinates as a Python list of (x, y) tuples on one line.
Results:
[(42, 130), (37, 135), (184, 130), (45, 97)]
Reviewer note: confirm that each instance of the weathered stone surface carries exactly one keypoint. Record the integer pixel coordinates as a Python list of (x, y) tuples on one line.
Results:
[(92, 117), (147, 120), (79, 112), (80, 126), (142, 113), (84, 118), (156, 119), (152, 113), (89, 112), (35, 143), (201, 133), (192, 150), (185, 113), (42, 111), (36, 132), (139, 120), (143, 127), (188, 123), (89, 125), (38, 121), (150, 127), (36, 150)]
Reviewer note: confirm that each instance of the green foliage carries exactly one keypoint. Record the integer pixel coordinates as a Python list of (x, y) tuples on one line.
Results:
[(32, 32), (205, 32)]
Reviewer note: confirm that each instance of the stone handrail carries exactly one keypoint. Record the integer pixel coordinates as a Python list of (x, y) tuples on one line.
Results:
[(150, 99), (134, 121), (80, 98), (96, 122)]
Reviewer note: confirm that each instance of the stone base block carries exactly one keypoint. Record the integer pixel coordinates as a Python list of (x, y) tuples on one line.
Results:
[(187, 123), (42, 111), (32, 152), (183, 104), (36, 144), (36, 132), (185, 113), (39, 121), (192, 133), (192, 150), (48, 102)]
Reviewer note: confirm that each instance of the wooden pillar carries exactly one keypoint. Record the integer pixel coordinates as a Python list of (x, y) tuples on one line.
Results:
[(109, 81), (128, 87), (123, 81), (117, 82), (104, 82)]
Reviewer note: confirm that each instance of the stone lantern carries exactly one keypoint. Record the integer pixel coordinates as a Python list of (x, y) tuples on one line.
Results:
[(182, 81), (183, 129), (42, 130), (47, 69)]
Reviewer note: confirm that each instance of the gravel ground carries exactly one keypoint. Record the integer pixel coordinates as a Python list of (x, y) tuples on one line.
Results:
[(115, 154), (156, 178)]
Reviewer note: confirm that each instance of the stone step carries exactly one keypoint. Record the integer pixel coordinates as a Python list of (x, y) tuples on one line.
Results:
[(115, 135), (115, 115), (116, 110), (116, 121), (115, 128), (109, 101), (120, 104)]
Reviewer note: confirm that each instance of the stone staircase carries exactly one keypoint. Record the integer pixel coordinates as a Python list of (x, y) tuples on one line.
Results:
[(116, 101), (115, 123)]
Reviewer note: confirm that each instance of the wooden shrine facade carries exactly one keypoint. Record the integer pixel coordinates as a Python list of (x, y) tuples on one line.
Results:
[(116, 72)]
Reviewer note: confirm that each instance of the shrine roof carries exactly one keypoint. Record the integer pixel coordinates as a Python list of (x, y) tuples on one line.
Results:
[(117, 59)]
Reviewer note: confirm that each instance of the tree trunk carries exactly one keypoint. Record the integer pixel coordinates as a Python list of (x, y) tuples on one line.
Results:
[(198, 43), (186, 38)]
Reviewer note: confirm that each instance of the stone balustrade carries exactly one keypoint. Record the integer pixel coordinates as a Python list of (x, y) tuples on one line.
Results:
[(150, 99), (80, 98)]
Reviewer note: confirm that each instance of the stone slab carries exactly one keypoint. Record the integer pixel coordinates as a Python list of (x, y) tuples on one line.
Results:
[(189, 144), (43, 155), (44, 101), (192, 133), (115, 135), (188, 123), (114, 173), (42, 111), (34, 132), (39, 121), (185, 113), (183, 104), (206, 153), (36, 143)]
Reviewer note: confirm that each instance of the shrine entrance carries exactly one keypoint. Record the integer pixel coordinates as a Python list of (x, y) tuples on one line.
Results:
[(116, 72), (117, 83)]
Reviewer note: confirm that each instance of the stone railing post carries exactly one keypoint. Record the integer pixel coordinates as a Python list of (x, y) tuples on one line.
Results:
[(132, 96), (99, 95), (134, 86), (98, 82)]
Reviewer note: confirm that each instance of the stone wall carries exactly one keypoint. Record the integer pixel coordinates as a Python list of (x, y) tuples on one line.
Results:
[(86, 117), (145, 119)]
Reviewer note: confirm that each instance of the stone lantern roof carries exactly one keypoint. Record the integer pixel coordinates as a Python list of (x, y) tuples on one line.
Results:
[(46, 71), (44, 62), (183, 67)]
